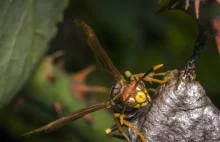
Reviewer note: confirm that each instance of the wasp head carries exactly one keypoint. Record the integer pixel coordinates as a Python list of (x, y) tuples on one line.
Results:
[(131, 93)]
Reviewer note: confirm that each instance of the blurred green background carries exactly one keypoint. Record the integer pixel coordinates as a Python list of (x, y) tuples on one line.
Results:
[(134, 38)]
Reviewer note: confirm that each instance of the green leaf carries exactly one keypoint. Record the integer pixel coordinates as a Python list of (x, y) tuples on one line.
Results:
[(26, 28)]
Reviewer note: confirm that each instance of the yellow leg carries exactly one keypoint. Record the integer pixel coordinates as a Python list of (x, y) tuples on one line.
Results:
[(160, 74), (119, 128), (121, 118), (127, 123), (151, 74), (149, 79), (112, 129), (157, 67), (130, 125), (151, 90)]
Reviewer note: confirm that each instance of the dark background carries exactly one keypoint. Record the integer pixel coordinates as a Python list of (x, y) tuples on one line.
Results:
[(135, 39)]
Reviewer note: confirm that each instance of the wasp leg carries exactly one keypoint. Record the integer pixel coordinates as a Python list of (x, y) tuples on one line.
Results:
[(112, 129), (150, 75), (160, 74), (151, 71), (119, 128), (130, 125), (151, 90), (157, 67), (150, 79), (121, 118)]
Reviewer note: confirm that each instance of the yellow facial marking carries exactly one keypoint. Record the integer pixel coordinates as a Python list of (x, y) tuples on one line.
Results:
[(131, 99), (144, 104), (137, 88), (137, 106), (140, 97)]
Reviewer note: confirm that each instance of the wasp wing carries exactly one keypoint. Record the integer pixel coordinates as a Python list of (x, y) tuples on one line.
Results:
[(99, 52), (66, 119)]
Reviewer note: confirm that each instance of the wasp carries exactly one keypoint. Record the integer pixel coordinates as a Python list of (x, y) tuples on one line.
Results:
[(126, 96)]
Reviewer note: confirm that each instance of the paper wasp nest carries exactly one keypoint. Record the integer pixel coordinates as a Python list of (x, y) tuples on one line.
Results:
[(181, 112)]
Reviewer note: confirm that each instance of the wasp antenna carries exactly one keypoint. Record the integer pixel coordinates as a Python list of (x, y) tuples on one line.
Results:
[(145, 74), (149, 71)]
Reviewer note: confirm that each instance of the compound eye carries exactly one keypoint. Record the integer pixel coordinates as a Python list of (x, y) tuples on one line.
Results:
[(140, 97), (137, 106), (116, 89)]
